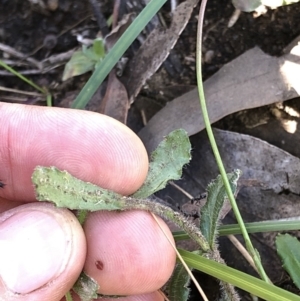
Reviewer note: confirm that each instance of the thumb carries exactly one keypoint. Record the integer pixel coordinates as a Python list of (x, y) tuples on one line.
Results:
[(42, 252)]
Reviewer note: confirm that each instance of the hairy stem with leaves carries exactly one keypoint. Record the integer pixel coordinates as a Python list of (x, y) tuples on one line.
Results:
[(67, 191)]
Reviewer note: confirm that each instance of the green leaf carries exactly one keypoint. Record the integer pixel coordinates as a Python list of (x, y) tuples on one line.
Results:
[(86, 288), (66, 191), (89, 53), (166, 163), (288, 248), (78, 64), (216, 195), (177, 287), (99, 48), (96, 52), (68, 296)]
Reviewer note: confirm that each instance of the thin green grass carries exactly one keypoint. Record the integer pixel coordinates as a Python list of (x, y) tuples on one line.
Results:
[(29, 82), (256, 227), (214, 146)]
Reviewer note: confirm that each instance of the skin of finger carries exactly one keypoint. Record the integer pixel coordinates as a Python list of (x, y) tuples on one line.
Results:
[(50, 133), (91, 146), (7, 204), (74, 256), (155, 296), (128, 254)]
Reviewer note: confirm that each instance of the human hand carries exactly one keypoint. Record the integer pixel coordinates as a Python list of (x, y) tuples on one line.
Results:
[(43, 248)]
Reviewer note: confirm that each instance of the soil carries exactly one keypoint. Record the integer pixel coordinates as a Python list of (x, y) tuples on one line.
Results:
[(39, 31)]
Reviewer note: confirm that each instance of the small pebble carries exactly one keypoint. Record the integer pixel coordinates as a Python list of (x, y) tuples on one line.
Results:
[(50, 41), (52, 5), (209, 55)]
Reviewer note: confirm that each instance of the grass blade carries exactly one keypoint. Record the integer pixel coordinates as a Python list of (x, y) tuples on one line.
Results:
[(239, 279), (255, 227), (109, 61)]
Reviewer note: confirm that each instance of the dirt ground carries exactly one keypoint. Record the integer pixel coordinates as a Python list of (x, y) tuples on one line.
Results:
[(39, 32)]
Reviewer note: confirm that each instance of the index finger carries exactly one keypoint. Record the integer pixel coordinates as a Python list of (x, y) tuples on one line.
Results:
[(91, 146)]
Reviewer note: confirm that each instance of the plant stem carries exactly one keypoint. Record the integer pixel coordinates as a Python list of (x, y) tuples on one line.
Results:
[(255, 227), (169, 214), (236, 211), (68, 296), (49, 100), (25, 79), (81, 216), (193, 232), (66, 191)]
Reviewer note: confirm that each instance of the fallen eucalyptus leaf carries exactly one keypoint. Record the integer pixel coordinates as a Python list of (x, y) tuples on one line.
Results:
[(277, 3), (155, 49), (117, 32), (238, 85)]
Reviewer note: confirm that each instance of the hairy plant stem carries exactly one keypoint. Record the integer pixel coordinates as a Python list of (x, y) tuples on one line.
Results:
[(228, 291), (171, 215), (192, 231)]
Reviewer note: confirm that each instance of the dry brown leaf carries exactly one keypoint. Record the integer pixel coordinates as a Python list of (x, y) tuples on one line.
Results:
[(252, 80), (116, 33), (115, 101), (155, 50)]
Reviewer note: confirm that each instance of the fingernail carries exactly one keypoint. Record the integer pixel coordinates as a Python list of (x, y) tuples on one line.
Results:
[(33, 249)]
